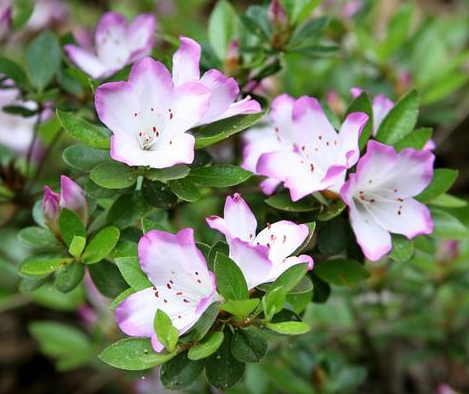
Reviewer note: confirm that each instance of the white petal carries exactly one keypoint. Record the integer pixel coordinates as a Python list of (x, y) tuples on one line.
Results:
[(186, 62)]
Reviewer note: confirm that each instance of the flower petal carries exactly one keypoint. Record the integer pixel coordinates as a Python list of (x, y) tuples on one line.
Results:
[(282, 238), (279, 269), (349, 136), (186, 62), (87, 61), (117, 106), (141, 36), (257, 141), (224, 92), (269, 185), (253, 260), (238, 222), (381, 107), (73, 198), (281, 113), (173, 262)]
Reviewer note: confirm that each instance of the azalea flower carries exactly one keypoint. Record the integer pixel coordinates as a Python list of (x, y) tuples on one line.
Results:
[(149, 116), (183, 285), (116, 44), (379, 197), (5, 20), (47, 13), (262, 258), (71, 196), (224, 90), (303, 150), (381, 106), (16, 132)]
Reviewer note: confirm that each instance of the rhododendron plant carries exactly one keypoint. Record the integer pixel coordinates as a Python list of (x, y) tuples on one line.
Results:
[(186, 187)]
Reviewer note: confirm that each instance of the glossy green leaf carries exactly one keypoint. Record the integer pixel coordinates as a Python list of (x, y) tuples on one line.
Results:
[(185, 190), (107, 278), (133, 354), (222, 129), (180, 372), (70, 225), (221, 27), (166, 333), (207, 347), (230, 280), (37, 237), (113, 175), (158, 194), (84, 158), (43, 263), (69, 277), (126, 210), (223, 175), (273, 302), (400, 121), (248, 345), (76, 246), (84, 131), (283, 202), (167, 174), (240, 308), (402, 248), (132, 273), (341, 272), (101, 245), (442, 181), (416, 140), (447, 226), (289, 327), (206, 321)]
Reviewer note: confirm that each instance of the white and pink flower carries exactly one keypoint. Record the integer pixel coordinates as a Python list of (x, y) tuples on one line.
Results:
[(71, 196), (224, 90), (150, 117), (301, 149), (183, 285), (380, 197), (116, 44), (17, 132), (262, 258)]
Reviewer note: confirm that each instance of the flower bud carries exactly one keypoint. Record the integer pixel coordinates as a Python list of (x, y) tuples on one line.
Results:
[(233, 58), (280, 25), (73, 198), (51, 208)]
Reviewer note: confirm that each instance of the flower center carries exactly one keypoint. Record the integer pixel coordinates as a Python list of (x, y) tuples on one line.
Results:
[(147, 140)]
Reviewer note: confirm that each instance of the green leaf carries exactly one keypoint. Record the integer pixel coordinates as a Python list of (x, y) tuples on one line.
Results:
[(43, 263), (126, 210), (333, 236), (402, 248), (248, 345), (71, 346), (305, 286), (240, 308), (219, 246), (69, 277), (70, 225), (206, 321), (132, 273), (448, 201), (84, 158), (308, 31), (13, 71), (285, 379), (180, 372), (41, 69), (332, 211), (166, 333), (221, 27), (273, 302), (447, 226), (98, 192), (223, 175), (290, 278), (283, 202), (417, 139), (222, 129), (22, 11), (442, 181), (167, 174), (37, 237), (222, 369), (113, 175), (158, 194), (107, 278), (76, 246), (207, 347), (400, 121), (299, 302), (230, 280), (133, 354), (185, 190), (341, 272), (289, 327), (101, 245), (84, 131)]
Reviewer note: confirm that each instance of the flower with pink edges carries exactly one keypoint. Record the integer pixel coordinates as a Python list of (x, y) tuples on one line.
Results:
[(116, 44), (150, 116), (183, 286), (262, 258), (224, 90), (380, 197), (71, 196), (301, 149)]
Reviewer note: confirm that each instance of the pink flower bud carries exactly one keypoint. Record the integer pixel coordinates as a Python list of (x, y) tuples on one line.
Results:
[(50, 208), (73, 198), (277, 15)]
